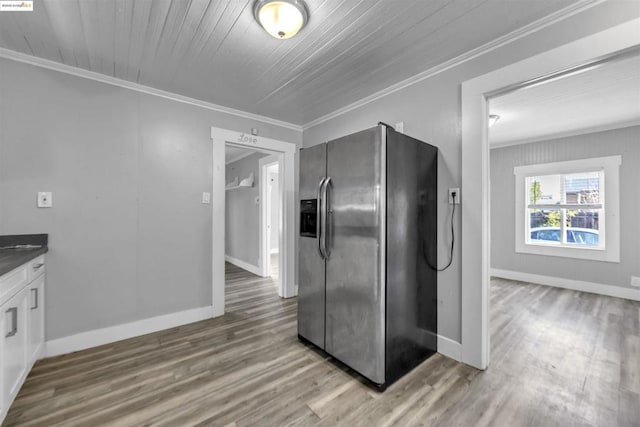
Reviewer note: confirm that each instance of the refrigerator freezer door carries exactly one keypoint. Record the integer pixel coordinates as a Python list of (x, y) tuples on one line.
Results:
[(355, 292), (311, 266), (412, 286)]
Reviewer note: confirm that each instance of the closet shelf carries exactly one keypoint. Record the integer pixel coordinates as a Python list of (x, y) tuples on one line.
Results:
[(245, 183)]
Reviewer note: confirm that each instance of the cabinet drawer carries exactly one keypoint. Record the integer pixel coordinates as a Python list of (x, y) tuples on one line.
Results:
[(12, 281), (36, 268)]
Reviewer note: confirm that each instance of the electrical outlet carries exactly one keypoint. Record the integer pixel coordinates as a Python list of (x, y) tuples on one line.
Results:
[(45, 199), (635, 281), (206, 197), (457, 192)]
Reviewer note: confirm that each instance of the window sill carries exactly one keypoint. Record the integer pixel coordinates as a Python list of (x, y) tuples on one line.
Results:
[(592, 254)]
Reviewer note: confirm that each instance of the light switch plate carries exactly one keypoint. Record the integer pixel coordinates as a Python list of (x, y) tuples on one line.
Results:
[(206, 197), (45, 199)]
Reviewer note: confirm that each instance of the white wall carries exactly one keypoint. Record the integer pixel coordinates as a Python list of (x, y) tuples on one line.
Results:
[(431, 112), (242, 219), (624, 142), (275, 209), (128, 236)]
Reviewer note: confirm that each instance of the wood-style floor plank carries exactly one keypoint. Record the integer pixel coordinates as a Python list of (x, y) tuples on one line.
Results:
[(558, 357)]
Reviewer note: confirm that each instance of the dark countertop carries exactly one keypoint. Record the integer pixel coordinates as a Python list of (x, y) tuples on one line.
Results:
[(13, 258)]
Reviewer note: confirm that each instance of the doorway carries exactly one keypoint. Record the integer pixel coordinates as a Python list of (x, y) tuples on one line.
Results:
[(285, 154), (270, 215), (253, 211), (475, 170), (555, 203)]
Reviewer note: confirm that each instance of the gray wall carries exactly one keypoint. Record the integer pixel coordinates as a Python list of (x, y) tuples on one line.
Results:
[(431, 112), (242, 220), (129, 238), (625, 142)]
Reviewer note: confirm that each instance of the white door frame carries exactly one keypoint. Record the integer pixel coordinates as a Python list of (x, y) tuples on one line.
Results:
[(286, 152), (265, 214), (475, 170)]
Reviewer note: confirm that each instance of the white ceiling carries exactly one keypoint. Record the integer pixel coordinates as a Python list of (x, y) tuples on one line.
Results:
[(214, 51), (602, 98)]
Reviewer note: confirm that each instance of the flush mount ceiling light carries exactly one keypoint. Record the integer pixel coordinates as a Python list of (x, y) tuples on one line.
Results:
[(281, 18), (493, 118)]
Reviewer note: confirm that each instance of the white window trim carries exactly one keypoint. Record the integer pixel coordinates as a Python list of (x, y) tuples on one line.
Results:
[(610, 230)]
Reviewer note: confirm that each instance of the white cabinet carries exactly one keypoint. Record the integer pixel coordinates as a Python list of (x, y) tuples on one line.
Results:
[(21, 327), (15, 357), (36, 318)]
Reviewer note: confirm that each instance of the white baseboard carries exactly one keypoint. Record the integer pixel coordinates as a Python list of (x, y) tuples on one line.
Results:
[(450, 348), (576, 285), (243, 265), (111, 334)]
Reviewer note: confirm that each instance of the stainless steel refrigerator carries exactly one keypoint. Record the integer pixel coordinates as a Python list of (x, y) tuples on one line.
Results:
[(367, 294)]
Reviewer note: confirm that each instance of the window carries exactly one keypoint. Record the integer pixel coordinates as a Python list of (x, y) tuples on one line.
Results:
[(569, 209)]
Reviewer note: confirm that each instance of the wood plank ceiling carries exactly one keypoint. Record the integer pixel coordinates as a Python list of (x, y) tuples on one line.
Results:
[(214, 50)]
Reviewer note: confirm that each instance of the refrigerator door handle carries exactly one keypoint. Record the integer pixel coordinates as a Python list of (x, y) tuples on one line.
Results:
[(320, 215), (325, 218)]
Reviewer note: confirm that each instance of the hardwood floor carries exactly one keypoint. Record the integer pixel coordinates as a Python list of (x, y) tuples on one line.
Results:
[(559, 357)]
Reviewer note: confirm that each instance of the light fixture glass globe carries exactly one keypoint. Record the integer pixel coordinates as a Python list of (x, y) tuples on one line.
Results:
[(280, 18)]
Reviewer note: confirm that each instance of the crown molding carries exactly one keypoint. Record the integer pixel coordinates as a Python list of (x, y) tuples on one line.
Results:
[(114, 81), (524, 31), (533, 27)]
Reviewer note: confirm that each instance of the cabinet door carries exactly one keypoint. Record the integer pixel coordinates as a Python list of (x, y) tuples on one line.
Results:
[(36, 318), (15, 345)]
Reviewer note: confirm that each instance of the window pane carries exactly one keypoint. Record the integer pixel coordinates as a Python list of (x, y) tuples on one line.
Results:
[(544, 225), (583, 227), (582, 188), (544, 190)]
